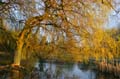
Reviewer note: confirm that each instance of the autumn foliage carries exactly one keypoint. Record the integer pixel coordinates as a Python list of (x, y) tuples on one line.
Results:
[(59, 29)]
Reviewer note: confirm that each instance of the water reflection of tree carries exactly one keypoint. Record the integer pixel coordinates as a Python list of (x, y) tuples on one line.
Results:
[(8, 73), (68, 67), (41, 65), (35, 74), (84, 67), (104, 76)]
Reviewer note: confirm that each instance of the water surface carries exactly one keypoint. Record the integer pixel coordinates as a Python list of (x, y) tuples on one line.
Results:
[(61, 71)]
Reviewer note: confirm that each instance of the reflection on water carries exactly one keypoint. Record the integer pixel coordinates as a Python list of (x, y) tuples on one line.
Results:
[(67, 71), (61, 71), (70, 71)]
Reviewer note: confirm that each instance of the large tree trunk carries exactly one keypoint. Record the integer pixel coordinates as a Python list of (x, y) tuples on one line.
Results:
[(18, 53), (17, 57)]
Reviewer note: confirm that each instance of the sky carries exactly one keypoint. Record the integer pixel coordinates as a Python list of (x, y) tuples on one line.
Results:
[(114, 18)]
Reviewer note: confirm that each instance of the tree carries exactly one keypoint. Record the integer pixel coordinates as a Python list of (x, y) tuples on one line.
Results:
[(66, 18)]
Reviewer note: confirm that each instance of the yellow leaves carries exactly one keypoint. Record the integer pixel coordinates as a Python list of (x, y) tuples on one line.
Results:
[(110, 55), (99, 45), (98, 36)]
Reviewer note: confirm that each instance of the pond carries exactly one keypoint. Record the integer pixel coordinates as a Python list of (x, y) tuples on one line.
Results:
[(62, 71)]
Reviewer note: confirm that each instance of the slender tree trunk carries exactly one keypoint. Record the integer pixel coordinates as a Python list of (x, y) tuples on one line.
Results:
[(1, 22)]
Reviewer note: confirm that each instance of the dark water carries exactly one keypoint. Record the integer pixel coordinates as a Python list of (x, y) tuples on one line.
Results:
[(61, 71)]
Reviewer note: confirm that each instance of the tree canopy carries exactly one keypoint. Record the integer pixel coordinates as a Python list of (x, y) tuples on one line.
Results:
[(62, 27)]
